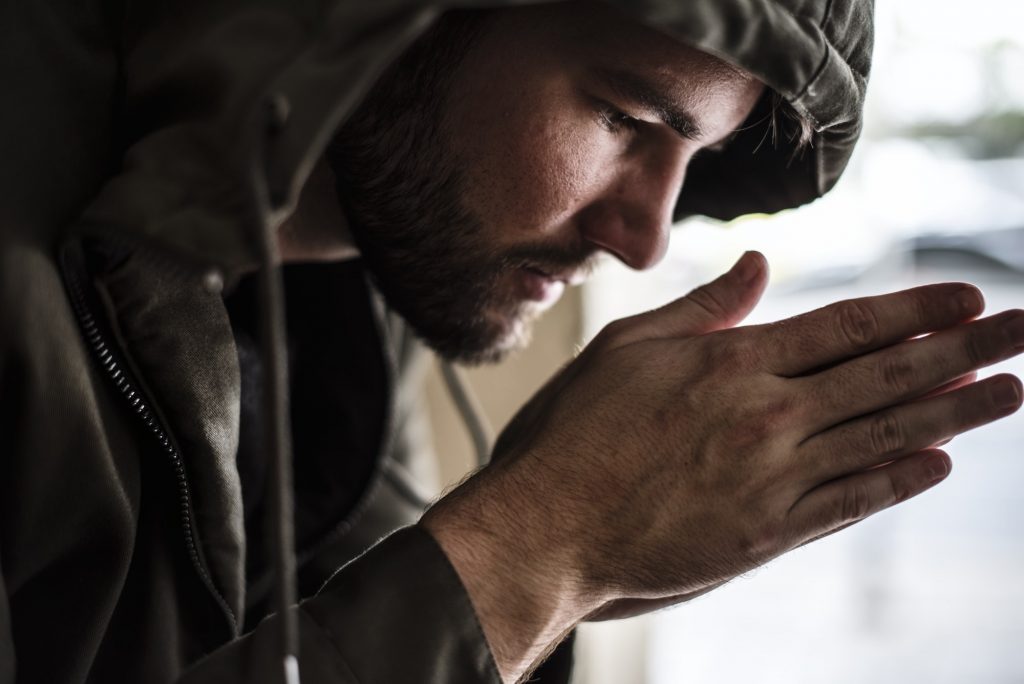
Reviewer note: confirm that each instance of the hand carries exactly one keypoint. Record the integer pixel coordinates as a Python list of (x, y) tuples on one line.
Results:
[(619, 609), (676, 452)]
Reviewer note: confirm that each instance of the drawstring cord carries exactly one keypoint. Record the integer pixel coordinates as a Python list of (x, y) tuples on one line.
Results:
[(277, 433), (479, 428), (277, 429)]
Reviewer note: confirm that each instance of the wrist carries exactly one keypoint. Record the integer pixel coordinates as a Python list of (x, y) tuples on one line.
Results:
[(523, 582)]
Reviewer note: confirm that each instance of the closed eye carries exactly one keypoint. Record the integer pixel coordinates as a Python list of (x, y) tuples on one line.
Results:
[(615, 120)]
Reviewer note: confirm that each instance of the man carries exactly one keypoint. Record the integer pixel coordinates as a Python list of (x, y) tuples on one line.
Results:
[(482, 161)]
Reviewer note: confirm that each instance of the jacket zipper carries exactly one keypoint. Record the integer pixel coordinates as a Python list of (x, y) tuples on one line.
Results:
[(116, 371)]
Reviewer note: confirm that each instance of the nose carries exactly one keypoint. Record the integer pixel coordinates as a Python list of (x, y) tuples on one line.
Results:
[(633, 214)]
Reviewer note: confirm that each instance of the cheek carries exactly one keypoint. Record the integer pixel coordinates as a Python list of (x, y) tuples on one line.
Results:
[(536, 169)]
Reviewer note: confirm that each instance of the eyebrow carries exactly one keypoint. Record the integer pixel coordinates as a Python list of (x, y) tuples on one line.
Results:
[(649, 96)]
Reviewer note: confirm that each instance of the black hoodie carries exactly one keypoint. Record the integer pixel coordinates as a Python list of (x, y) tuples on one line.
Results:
[(180, 134)]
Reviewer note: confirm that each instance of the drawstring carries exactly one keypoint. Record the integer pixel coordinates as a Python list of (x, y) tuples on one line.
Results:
[(277, 437), (480, 432), (277, 433)]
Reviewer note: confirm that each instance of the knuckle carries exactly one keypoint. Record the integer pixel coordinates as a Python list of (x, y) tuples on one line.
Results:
[(855, 503), (729, 350), (708, 300), (765, 421), (978, 348), (899, 490), (927, 307), (897, 374), (858, 324), (615, 334), (753, 432), (761, 541), (886, 435)]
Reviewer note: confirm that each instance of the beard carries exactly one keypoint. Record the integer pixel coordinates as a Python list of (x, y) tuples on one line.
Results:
[(400, 184)]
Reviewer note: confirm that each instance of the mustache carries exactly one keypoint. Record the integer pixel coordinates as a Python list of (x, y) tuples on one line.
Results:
[(581, 258)]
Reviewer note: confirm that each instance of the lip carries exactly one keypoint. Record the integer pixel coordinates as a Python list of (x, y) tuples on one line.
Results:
[(571, 277), (539, 286)]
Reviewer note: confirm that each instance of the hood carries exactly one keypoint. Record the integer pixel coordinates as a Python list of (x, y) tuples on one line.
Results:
[(816, 56), (223, 96), (223, 107)]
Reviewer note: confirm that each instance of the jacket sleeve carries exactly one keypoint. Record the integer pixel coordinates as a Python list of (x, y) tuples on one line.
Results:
[(398, 613)]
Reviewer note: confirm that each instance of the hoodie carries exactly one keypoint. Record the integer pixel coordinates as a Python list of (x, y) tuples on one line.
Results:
[(150, 151)]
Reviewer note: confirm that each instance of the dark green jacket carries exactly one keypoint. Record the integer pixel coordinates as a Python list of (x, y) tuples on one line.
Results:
[(133, 137)]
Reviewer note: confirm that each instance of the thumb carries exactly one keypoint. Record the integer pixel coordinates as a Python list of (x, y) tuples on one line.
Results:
[(722, 303)]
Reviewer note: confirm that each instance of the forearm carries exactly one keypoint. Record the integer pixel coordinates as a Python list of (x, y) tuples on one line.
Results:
[(523, 585)]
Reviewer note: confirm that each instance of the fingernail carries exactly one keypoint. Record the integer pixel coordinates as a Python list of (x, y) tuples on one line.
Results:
[(1006, 394), (1015, 328), (937, 468)]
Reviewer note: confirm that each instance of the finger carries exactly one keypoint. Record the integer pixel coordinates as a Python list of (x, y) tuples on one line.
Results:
[(962, 381), (910, 369), (888, 435), (841, 331), (720, 304), (949, 387), (841, 503)]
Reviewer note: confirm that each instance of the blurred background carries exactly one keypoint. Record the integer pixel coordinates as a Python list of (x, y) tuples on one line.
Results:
[(932, 591)]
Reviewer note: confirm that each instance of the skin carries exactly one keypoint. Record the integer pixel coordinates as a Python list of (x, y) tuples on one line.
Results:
[(745, 448), (600, 168), (678, 450), (479, 186)]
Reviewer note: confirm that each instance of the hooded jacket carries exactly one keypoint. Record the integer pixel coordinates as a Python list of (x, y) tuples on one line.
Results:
[(147, 150)]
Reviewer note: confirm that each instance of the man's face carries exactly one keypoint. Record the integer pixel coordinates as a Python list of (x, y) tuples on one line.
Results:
[(496, 178)]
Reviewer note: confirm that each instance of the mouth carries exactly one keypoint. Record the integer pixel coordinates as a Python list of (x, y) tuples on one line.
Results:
[(571, 277), (574, 276), (539, 286)]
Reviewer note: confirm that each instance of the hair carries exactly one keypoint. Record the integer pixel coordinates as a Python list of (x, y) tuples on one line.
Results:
[(789, 124), (401, 189)]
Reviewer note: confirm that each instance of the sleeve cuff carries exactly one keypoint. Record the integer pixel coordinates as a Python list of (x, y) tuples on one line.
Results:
[(399, 613)]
